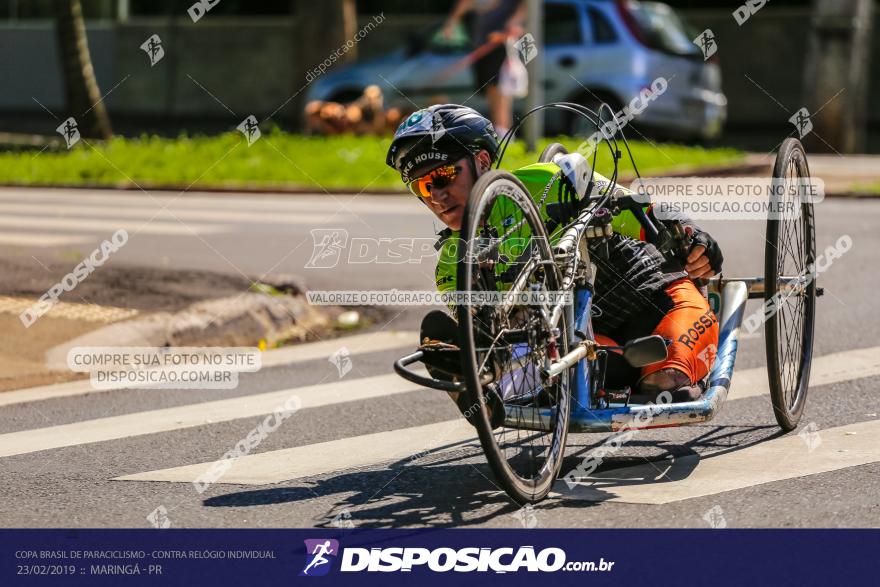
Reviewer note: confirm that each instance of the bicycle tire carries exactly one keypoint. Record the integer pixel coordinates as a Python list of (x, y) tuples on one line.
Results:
[(498, 187), (788, 361)]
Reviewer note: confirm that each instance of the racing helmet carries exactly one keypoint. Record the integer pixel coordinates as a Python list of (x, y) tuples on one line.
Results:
[(437, 136)]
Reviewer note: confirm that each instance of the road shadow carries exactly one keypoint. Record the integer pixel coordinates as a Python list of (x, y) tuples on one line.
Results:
[(443, 488), (677, 464), (453, 486)]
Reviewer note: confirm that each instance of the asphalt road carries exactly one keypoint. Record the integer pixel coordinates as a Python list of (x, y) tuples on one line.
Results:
[(368, 450)]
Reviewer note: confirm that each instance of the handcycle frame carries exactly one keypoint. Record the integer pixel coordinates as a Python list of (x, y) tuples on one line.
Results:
[(733, 294), (728, 294)]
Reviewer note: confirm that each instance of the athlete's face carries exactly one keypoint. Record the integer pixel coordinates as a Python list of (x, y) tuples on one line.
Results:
[(447, 198)]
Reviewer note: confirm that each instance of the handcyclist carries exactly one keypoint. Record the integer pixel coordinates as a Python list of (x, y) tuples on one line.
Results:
[(441, 151)]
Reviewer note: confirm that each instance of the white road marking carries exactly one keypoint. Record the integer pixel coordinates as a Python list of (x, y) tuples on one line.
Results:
[(343, 203), (71, 212), (782, 458), (825, 370), (32, 239), (325, 457), (277, 466), (110, 226), (369, 342), (372, 449), (188, 416), (743, 335), (360, 343)]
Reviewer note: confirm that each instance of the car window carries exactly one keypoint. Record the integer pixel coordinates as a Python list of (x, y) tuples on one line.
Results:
[(662, 27), (561, 25), (603, 30)]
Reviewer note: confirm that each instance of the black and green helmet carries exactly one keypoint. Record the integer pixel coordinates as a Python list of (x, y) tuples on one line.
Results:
[(439, 135)]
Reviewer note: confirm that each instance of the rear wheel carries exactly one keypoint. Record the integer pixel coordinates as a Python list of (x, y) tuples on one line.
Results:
[(551, 151), (504, 349), (790, 285)]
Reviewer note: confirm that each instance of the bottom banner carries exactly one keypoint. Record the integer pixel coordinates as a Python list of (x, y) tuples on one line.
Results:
[(400, 557)]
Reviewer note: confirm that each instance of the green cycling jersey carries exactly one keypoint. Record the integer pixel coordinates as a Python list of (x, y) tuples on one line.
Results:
[(536, 178)]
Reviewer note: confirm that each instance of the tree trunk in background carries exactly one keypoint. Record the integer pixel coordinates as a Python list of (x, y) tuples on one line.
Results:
[(838, 59), (322, 29), (83, 98)]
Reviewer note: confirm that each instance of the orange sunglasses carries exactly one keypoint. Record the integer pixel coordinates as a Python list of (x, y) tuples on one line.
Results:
[(439, 178)]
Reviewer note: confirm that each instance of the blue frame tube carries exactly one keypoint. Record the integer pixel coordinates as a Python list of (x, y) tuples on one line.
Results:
[(734, 297), (580, 383)]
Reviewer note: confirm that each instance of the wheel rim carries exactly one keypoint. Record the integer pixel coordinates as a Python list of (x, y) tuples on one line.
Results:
[(510, 345), (792, 321)]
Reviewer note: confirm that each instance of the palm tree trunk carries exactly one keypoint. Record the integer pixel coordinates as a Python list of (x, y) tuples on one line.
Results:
[(322, 29), (82, 95)]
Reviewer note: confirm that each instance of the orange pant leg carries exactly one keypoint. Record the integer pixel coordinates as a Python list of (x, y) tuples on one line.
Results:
[(693, 329)]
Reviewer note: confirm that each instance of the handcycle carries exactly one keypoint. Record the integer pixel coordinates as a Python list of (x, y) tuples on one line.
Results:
[(542, 359)]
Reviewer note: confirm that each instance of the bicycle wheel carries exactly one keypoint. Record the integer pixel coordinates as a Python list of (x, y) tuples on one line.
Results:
[(789, 285), (551, 151), (505, 348)]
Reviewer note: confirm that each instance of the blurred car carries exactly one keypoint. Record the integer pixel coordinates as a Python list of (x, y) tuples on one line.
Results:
[(594, 50)]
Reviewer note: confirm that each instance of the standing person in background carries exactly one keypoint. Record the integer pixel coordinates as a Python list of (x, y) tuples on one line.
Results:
[(496, 20)]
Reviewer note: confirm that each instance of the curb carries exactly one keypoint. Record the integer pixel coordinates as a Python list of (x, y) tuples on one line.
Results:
[(854, 195), (738, 169), (216, 189), (241, 320), (748, 168)]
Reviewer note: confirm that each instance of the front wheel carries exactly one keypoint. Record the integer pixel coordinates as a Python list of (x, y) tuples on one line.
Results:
[(505, 348), (790, 285)]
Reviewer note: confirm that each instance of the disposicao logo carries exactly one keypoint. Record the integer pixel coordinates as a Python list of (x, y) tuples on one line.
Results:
[(320, 554)]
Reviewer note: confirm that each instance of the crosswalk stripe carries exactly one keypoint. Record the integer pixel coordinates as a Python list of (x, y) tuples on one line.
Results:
[(688, 477), (325, 457), (190, 415), (358, 204), (277, 466), (99, 430), (359, 343), (110, 226), (825, 370), (31, 239), (368, 342), (145, 213)]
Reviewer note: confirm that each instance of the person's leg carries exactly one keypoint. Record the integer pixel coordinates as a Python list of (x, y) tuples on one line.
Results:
[(500, 109), (618, 373), (486, 71), (693, 329)]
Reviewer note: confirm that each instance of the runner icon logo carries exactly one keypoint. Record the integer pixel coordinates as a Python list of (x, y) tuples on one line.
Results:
[(250, 128), (319, 556), (526, 48), (706, 43), (154, 49), (70, 131), (801, 120), (328, 244)]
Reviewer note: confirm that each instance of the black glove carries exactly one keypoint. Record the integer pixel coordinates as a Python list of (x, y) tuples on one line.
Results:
[(713, 251), (439, 342)]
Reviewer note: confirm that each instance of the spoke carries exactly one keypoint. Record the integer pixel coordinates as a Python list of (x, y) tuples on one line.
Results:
[(792, 315), (519, 365)]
